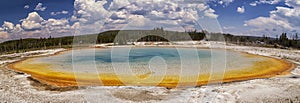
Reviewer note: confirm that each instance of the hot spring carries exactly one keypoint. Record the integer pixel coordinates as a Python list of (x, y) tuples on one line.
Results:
[(149, 66)]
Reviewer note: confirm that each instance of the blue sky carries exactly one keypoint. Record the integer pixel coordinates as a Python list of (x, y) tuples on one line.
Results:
[(229, 16), (14, 11), (42, 18)]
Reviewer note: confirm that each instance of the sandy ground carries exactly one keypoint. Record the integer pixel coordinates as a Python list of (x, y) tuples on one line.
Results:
[(19, 87)]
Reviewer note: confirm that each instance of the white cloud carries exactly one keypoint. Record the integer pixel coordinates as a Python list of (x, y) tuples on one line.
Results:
[(8, 31), (91, 15), (225, 2), (26, 7), (89, 11), (51, 27), (57, 27), (32, 22), (266, 2), (283, 19), (137, 22), (60, 12), (18, 28), (40, 7), (34, 26), (54, 22), (271, 23), (8, 26), (210, 13), (269, 1), (64, 12), (3, 36), (241, 9), (116, 4), (253, 4), (54, 13)]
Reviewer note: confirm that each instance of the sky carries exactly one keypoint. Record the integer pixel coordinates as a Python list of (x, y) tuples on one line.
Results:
[(56, 18)]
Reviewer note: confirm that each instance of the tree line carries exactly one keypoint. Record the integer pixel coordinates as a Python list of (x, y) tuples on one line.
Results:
[(122, 37), (118, 37)]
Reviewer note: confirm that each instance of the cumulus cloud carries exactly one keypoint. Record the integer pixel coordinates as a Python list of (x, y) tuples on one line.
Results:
[(32, 22), (291, 15), (40, 7), (35, 26), (283, 19), (3, 36), (54, 22), (241, 9), (57, 27), (89, 11), (18, 28), (8, 26), (9, 31), (91, 14)]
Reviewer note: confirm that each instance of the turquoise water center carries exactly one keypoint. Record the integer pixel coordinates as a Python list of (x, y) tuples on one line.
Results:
[(140, 60)]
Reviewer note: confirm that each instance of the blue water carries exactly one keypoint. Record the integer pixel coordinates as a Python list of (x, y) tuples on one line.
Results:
[(145, 54), (140, 58)]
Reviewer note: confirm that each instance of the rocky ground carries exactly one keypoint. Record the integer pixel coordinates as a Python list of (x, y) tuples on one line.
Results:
[(19, 87)]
